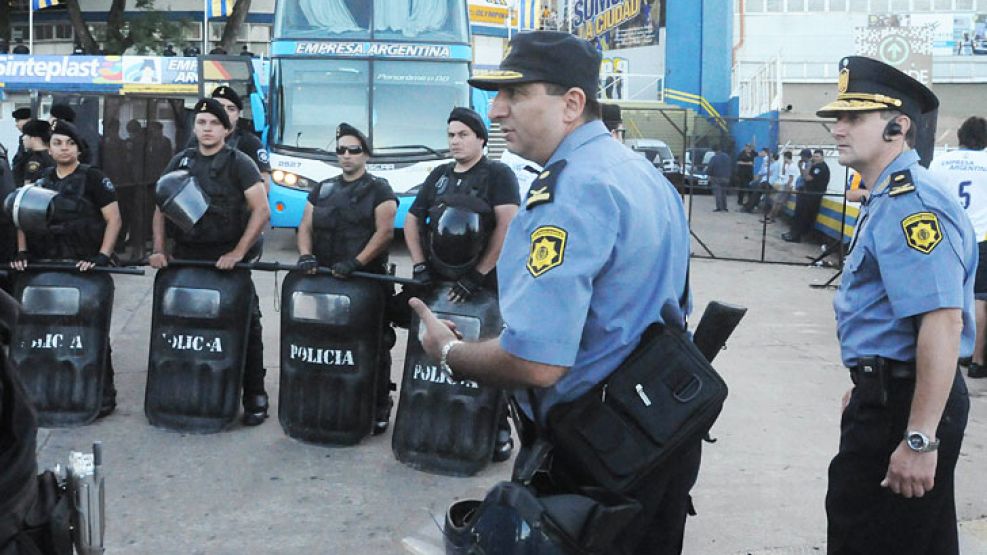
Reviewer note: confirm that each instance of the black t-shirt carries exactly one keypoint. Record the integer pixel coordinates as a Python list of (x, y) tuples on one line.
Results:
[(381, 189), (502, 187), (745, 156), (820, 178), (247, 143), (242, 169), (31, 166), (99, 190)]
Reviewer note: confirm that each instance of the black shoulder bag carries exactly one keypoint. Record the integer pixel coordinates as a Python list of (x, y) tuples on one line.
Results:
[(663, 396)]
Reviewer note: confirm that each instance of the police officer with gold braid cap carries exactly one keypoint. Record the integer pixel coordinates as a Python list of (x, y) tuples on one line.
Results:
[(904, 315), (597, 253)]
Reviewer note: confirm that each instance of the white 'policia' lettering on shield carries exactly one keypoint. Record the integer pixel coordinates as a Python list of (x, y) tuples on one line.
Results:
[(429, 373), (52, 341), (195, 343), (327, 357)]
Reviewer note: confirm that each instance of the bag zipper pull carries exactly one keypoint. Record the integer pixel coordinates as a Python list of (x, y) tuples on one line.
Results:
[(603, 395), (644, 396)]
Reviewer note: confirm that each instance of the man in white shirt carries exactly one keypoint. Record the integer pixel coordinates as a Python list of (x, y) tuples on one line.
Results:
[(784, 171), (963, 173)]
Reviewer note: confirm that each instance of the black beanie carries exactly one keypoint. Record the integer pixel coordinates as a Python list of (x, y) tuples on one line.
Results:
[(37, 128), (345, 129), (63, 111), (228, 93), (470, 119), (212, 106)]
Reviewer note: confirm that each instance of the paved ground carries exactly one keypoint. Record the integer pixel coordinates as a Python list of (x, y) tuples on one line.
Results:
[(254, 490)]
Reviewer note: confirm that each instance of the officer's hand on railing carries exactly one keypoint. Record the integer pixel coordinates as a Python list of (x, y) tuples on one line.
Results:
[(343, 269), (466, 287), (437, 332), (422, 274), (158, 260), (20, 261), (229, 260), (93, 261), (308, 263)]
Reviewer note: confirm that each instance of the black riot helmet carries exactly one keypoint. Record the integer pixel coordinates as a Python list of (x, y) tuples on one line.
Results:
[(180, 199), (31, 208), (458, 233)]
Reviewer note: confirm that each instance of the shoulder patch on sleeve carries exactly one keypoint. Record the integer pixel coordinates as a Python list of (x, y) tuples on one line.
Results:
[(922, 231), (901, 183), (547, 249), (542, 190), (263, 156), (108, 185)]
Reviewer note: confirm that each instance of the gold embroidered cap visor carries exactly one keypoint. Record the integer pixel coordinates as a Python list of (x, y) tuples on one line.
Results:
[(549, 57), (867, 85)]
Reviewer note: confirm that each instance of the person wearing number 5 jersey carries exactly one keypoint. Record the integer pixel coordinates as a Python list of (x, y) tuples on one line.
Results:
[(963, 173)]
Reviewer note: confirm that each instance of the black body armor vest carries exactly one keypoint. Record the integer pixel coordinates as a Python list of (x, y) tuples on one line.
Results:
[(77, 225), (225, 220), (343, 221)]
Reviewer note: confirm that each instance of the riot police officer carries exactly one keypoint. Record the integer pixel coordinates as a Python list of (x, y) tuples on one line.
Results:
[(36, 158), (442, 250), (598, 254), (471, 183), (904, 316), (21, 116), (244, 141), (84, 225), (228, 231), (348, 225)]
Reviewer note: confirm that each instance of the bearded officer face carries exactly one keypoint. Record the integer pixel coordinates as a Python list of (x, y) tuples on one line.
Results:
[(352, 157)]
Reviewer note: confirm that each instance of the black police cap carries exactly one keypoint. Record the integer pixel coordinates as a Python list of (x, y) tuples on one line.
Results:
[(867, 85), (21, 113), (212, 106), (68, 129), (228, 93), (546, 56), (470, 119), (37, 128), (63, 112), (345, 129)]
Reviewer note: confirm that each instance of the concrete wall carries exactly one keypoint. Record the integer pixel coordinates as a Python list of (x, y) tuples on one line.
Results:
[(697, 55)]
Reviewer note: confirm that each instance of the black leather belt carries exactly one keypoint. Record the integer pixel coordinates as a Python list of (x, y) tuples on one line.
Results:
[(890, 368)]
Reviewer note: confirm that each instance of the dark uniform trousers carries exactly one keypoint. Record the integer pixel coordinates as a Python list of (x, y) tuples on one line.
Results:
[(253, 367), (866, 519)]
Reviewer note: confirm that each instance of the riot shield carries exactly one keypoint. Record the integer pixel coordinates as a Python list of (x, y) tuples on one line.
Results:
[(443, 426), (198, 348), (60, 344), (331, 341)]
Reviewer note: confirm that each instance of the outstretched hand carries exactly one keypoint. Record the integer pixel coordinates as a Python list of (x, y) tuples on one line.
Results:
[(437, 332)]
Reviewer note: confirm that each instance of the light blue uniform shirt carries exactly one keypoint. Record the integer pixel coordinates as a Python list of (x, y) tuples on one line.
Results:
[(914, 251), (583, 275)]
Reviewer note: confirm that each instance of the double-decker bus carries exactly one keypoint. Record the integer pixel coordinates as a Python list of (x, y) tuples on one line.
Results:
[(391, 68)]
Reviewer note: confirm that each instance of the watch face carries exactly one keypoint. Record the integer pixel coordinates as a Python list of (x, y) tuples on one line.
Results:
[(916, 441)]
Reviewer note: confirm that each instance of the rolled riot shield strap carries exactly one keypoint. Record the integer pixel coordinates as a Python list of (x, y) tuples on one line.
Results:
[(513, 519), (181, 199), (30, 208)]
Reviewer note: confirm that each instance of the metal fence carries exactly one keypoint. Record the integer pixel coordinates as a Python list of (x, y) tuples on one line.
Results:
[(767, 219)]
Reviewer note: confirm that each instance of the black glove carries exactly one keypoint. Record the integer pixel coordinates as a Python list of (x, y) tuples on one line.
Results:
[(468, 285), (22, 256), (307, 262), (99, 259), (421, 274), (345, 268)]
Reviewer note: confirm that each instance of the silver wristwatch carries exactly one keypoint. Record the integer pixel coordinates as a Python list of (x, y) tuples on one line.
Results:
[(444, 358), (920, 443)]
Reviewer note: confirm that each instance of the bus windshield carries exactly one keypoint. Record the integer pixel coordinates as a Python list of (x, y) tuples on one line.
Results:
[(410, 99), (419, 20)]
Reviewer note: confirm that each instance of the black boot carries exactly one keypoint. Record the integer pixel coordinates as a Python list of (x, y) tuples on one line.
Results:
[(977, 371), (109, 401), (254, 408), (382, 414)]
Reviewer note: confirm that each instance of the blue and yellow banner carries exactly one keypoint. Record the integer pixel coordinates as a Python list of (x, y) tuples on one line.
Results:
[(42, 4), (219, 8)]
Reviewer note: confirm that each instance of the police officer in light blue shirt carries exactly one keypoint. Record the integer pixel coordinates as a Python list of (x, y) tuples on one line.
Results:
[(904, 314), (598, 251)]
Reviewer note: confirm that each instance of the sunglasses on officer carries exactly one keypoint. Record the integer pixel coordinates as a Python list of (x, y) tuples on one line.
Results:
[(354, 150)]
